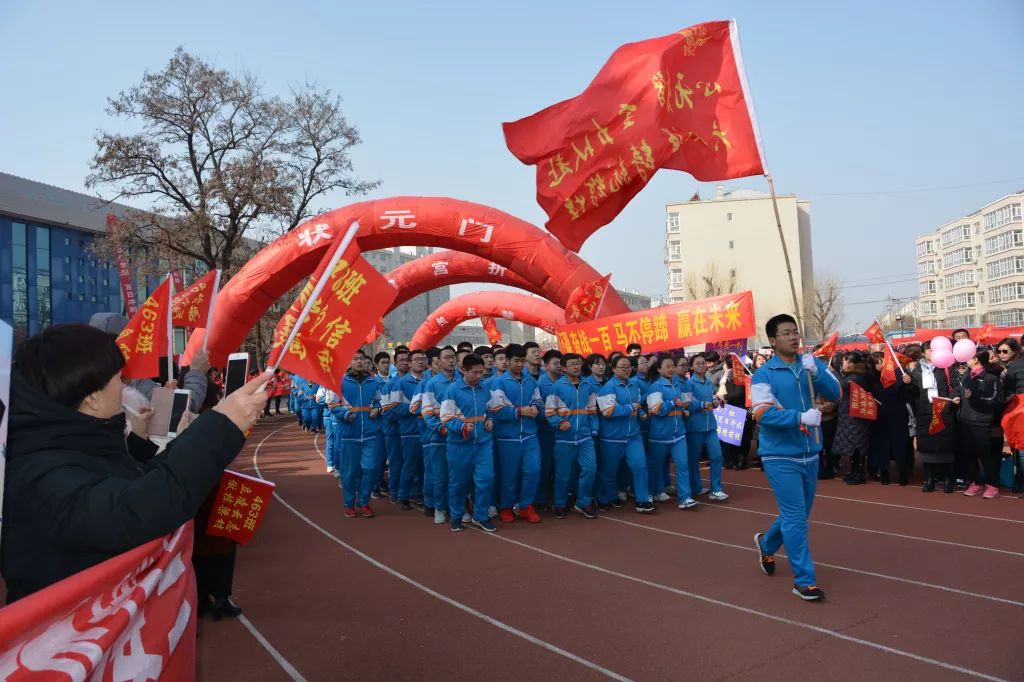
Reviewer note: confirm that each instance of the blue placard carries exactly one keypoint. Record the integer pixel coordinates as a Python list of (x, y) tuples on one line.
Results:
[(731, 421), (724, 348)]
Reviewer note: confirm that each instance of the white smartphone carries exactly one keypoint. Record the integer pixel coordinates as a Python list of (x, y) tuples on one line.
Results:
[(178, 408), (237, 372)]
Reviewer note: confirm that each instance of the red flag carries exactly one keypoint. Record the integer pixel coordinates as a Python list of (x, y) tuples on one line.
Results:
[(874, 333), (987, 334), (828, 349), (585, 300), (491, 329), (102, 623), (679, 102), (1013, 422), (191, 307), (321, 331), (862, 403), (124, 272), (888, 368), (240, 506), (377, 330), (144, 339), (903, 360), (740, 376), (937, 425)]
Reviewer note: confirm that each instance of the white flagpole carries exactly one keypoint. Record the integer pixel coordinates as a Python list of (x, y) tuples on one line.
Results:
[(170, 328), (213, 302), (335, 257)]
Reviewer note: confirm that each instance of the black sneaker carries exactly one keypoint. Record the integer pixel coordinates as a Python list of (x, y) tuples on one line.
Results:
[(559, 512), (404, 505), (589, 511), (809, 592), (485, 526), (428, 511), (616, 502), (645, 507), (767, 560), (456, 525), (605, 506)]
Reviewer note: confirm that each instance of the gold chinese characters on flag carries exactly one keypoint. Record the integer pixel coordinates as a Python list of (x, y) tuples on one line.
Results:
[(144, 339), (352, 301), (191, 306), (239, 507), (669, 327)]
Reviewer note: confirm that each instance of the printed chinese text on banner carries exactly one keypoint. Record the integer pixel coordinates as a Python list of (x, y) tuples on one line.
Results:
[(874, 333), (101, 623), (862, 403), (888, 374), (239, 507), (727, 348), (679, 325), (828, 349), (678, 102), (731, 422), (937, 425), (351, 300), (144, 339), (585, 300), (191, 307), (124, 273)]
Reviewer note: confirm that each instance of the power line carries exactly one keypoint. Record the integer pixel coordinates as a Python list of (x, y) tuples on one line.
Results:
[(869, 279), (883, 283)]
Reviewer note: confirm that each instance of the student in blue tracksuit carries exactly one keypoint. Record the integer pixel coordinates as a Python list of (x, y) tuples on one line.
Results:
[(358, 421), (391, 423), (571, 410), (487, 353), (310, 411), (667, 440), (468, 426), (702, 430), (516, 404), (329, 399), (639, 363), (789, 443), (294, 406), (410, 429), (435, 460), (550, 373), (618, 403)]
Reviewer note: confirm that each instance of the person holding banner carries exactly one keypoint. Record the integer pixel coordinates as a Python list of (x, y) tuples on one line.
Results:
[(667, 436), (702, 430), (782, 396), (890, 435), (935, 414), (981, 404), (853, 435), (77, 491)]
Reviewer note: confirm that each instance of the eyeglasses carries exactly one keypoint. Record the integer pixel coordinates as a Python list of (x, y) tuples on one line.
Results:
[(1004, 351)]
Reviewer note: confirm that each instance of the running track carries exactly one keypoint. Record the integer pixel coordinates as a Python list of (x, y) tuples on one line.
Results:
[(919, 587)]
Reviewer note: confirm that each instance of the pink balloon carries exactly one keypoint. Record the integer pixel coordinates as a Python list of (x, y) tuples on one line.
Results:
[(964, 350), (942, 358), (942, 342)]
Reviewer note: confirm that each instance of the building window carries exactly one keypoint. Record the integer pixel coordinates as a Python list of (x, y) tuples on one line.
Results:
[(673, 222), (1005, 267), (960, 301), (44, 305), (955, 235), (728, 217), (1014, 291), (676, 280), (958, 257), (958, 279), (1002, 216), (19, 275), (1004, 242), (675, 251), (732, 273), (67, 242), (1006, 318)]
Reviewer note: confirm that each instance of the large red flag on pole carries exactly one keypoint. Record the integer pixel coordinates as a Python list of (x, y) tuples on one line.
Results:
[(193, 307), (679, 101), (147, 336), (585, 300), (321, 331)]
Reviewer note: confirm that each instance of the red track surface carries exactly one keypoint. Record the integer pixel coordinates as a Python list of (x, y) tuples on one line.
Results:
[(674, 595)]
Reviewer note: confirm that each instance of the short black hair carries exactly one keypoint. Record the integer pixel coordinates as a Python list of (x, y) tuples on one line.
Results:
[(500, 350), (531, 344), (400, 347), (432, 353), (444, 348), (464, 345), (472, 360), (955, 331), (614, 361), (771, 327), (551, 355), (712, 356), (414, 353), (630, 347), (514, 350), (69, 362), (571, 356), (399, 352), (483, 350), (381, 356)]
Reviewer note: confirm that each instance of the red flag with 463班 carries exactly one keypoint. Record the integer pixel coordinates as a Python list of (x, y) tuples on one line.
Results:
[(144, 339), (679, 102)]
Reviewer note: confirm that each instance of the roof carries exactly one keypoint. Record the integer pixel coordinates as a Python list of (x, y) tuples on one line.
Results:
[(38, 201)]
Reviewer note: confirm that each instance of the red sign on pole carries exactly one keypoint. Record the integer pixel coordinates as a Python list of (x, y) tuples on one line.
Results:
[(240, 506), (124, 273)]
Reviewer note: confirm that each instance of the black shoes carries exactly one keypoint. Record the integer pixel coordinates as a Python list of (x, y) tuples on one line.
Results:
[(644, 507), (225, 608), (560, 512), (884, 477), (767, 560), (809, 592), (589, 511), (404, 505), (606, 506), (949, 487)]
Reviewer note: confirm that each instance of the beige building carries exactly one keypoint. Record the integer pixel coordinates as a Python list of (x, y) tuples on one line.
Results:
[(971, 270), (732, 240)]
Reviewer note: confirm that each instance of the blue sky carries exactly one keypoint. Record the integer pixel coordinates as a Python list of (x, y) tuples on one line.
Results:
[(857, 103)]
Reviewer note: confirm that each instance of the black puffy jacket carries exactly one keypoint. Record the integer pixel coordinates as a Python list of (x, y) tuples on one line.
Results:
[(75, 496)]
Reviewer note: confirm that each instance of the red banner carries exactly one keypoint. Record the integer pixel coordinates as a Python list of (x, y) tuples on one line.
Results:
[(341, 312), (131, 305), (130, 617), (144, 339), (862, 403), (585, 300), (666, 328), (828, 349), (874, 333), (888, 374), (679, 102), (937, 425), (191, 307), (240, 506), (491, 329)]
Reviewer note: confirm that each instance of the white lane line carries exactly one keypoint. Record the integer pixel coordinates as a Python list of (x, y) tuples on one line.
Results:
[(754, 612), (873, 574), (281, 660), (869, 530), (887, 504), (433, 593)]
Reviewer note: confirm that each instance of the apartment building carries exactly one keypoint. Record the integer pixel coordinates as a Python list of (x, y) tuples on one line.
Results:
[(971, 269)]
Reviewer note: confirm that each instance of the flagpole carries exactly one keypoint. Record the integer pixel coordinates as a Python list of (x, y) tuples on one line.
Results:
[(170, 328), (335, 257), (785, 249), (209, 313)]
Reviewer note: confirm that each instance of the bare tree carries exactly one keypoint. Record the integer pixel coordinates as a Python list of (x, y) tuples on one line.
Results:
[(219, 162), (827, 308), (711, 283)]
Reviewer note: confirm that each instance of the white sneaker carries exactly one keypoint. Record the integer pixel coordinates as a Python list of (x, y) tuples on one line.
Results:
[(467, 518), (718, 496), (492, 511), (440, 516), (336, 473), (687, 503), (704, 491), (623, 496), (663, 497), (330, 469)]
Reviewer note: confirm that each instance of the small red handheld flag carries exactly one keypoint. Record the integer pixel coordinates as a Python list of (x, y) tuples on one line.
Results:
[(239, 507), (874, 333), (585, 300), (828, 349), (937, 425), (862, 403), (145, 338)]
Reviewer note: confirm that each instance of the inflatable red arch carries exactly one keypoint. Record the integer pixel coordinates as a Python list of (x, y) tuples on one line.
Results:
[(509, 305), (444, 268), (523, 248)]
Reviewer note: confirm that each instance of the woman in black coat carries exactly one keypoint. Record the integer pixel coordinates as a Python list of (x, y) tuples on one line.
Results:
[(927, 382), (78, 491), (853, 434), (889, 438), (981, 437)]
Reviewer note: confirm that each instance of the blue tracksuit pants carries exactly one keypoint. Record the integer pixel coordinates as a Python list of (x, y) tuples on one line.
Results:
[(794, 482), (435, 458), (412, 460), (357, 461), (520, 462), (571, 457), (612, 454), (658, 457), (546, 441), (469, 463), (694, 443), (329, 445)]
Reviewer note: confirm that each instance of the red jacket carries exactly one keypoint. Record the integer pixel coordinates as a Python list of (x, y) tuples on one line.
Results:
[(282, 385)]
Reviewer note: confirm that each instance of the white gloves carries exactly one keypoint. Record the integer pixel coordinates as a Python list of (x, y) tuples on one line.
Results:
[(807, 360), (811, 417)]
